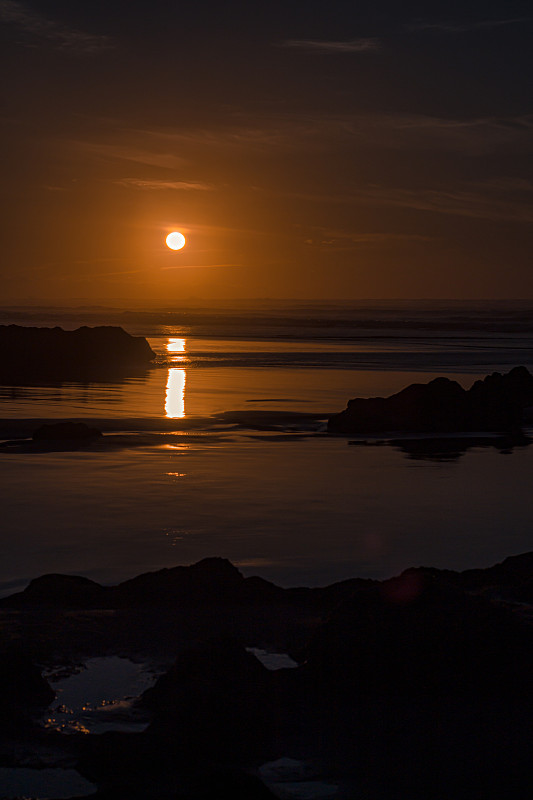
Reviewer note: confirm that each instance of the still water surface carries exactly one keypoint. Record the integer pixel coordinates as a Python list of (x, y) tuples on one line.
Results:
[(309, 510)]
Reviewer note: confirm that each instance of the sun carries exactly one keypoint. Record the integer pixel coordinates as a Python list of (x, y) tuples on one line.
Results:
[(175, 240)]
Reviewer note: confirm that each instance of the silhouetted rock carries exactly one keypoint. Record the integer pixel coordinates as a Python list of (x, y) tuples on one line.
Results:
[(147, 767), (510, 576), (66, 591), (210, 581), (23, 690), (419, 634), (216, 699), (414, 687), (53, 353), (60, 431), (424, 688), (214, 783), (494, 404)]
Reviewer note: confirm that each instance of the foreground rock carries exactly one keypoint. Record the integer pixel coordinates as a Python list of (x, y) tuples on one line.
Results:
[(496, 404), (418, 634), (409, 688), (23, 691), (56, 354), (220, 697)]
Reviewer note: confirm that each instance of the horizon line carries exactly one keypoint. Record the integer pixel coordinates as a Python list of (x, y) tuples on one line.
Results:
[(136, 304)]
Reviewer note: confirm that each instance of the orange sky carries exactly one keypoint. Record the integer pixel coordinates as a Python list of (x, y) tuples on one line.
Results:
[(378, 153)]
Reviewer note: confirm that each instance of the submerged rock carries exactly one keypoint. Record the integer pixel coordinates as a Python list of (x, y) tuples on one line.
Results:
[(496, 403)]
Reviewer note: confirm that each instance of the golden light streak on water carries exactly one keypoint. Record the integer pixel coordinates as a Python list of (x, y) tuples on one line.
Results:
[(176, 345), (175, 394)]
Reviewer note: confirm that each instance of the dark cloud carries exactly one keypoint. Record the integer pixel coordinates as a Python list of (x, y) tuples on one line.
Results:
[(39, 29), (321, 46), (162, 185), (464, 27), (478, 201), (171, 148)]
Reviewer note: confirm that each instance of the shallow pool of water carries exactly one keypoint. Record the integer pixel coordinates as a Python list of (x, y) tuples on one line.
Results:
[(100, 697)]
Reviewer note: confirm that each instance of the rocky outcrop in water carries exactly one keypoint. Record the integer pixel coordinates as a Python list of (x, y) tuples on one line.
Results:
[(496, 403), (55, 354)]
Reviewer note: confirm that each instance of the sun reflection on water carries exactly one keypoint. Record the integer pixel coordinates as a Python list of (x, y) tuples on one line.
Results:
[(176, 346), (175, 394)]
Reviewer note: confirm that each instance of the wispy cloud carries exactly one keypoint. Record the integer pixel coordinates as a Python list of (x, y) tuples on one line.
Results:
[(112, 274), (172, 149), (158, 185), (509, 184), (478, 200), (465, 202), (397, 131), (346, 240), (39, 28), (464, 27), (153, 157), (176, 150), (201, 266), (363, 45)]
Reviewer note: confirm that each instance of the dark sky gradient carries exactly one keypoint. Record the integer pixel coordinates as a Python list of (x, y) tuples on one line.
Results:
[(306, 150)]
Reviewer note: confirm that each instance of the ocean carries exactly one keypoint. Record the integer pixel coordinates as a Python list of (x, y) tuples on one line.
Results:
[(219, 447)]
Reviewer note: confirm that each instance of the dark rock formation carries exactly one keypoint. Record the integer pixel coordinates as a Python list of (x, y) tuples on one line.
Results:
[(511, 578), (56, 354), (414, 687), (147, 767), (216, 699), (70, 431), (23, 691), (210, 581), (494, 404), (418, 634), (66, 591), (21, 683), (425, 688), (216, 581)]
